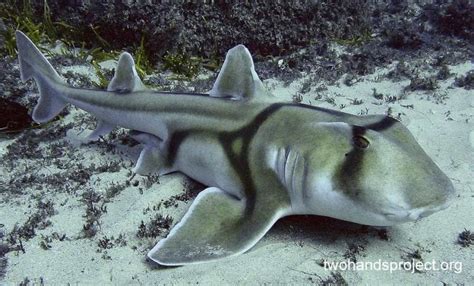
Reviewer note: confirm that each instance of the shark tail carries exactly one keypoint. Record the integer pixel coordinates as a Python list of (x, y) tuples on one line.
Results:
[(34, 65)]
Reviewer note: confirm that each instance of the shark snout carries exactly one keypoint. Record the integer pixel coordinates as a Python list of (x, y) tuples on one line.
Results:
[(401, 215), (420, 213), (436, 195), (401, 211)]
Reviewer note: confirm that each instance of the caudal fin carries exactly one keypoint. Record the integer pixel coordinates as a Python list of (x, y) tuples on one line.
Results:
[(34, 65)]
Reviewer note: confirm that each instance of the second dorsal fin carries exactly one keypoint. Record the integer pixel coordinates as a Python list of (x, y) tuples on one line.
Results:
[(237, 78), (126, 78)]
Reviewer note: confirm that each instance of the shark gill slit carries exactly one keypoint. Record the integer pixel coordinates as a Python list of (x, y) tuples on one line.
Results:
[(294, 182), (304, 189), (285, 163)]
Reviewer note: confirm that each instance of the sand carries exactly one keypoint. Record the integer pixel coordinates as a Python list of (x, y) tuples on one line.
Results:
[(293, 251)]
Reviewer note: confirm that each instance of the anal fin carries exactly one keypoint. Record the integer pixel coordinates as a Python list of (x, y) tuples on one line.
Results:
[(216, 226)]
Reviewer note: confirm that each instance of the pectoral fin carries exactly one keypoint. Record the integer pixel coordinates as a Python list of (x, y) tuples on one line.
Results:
[(215, 226)]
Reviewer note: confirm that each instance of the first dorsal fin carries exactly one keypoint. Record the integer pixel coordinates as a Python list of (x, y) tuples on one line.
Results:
[(237, 78), (126, 78)]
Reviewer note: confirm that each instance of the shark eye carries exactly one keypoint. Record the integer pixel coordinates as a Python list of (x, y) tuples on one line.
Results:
[(360, 142)]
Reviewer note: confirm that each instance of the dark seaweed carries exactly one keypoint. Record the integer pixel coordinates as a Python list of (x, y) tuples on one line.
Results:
[(354, 250), (334, 279), (423, 83), (466, 238), (268, 28), (443, 72), (466, 81), (455, 18), (157, 226), (414, 256), (95, 207), (4, 249), (108, 243), (190, 190), (374, 33), (38, 220)]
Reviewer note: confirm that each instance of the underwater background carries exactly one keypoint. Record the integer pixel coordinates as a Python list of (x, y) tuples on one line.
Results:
[(72, 212)]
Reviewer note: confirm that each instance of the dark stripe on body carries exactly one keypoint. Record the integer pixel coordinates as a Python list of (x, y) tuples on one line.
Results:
[(240, 163), (351, 167)]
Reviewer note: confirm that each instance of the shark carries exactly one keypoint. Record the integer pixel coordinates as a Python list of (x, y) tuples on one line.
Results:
[(262, 159)]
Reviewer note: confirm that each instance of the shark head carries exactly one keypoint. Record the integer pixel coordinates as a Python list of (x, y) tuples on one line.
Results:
[(372, 171)]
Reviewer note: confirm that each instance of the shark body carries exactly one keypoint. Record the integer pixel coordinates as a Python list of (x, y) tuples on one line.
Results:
[(262, 160)]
